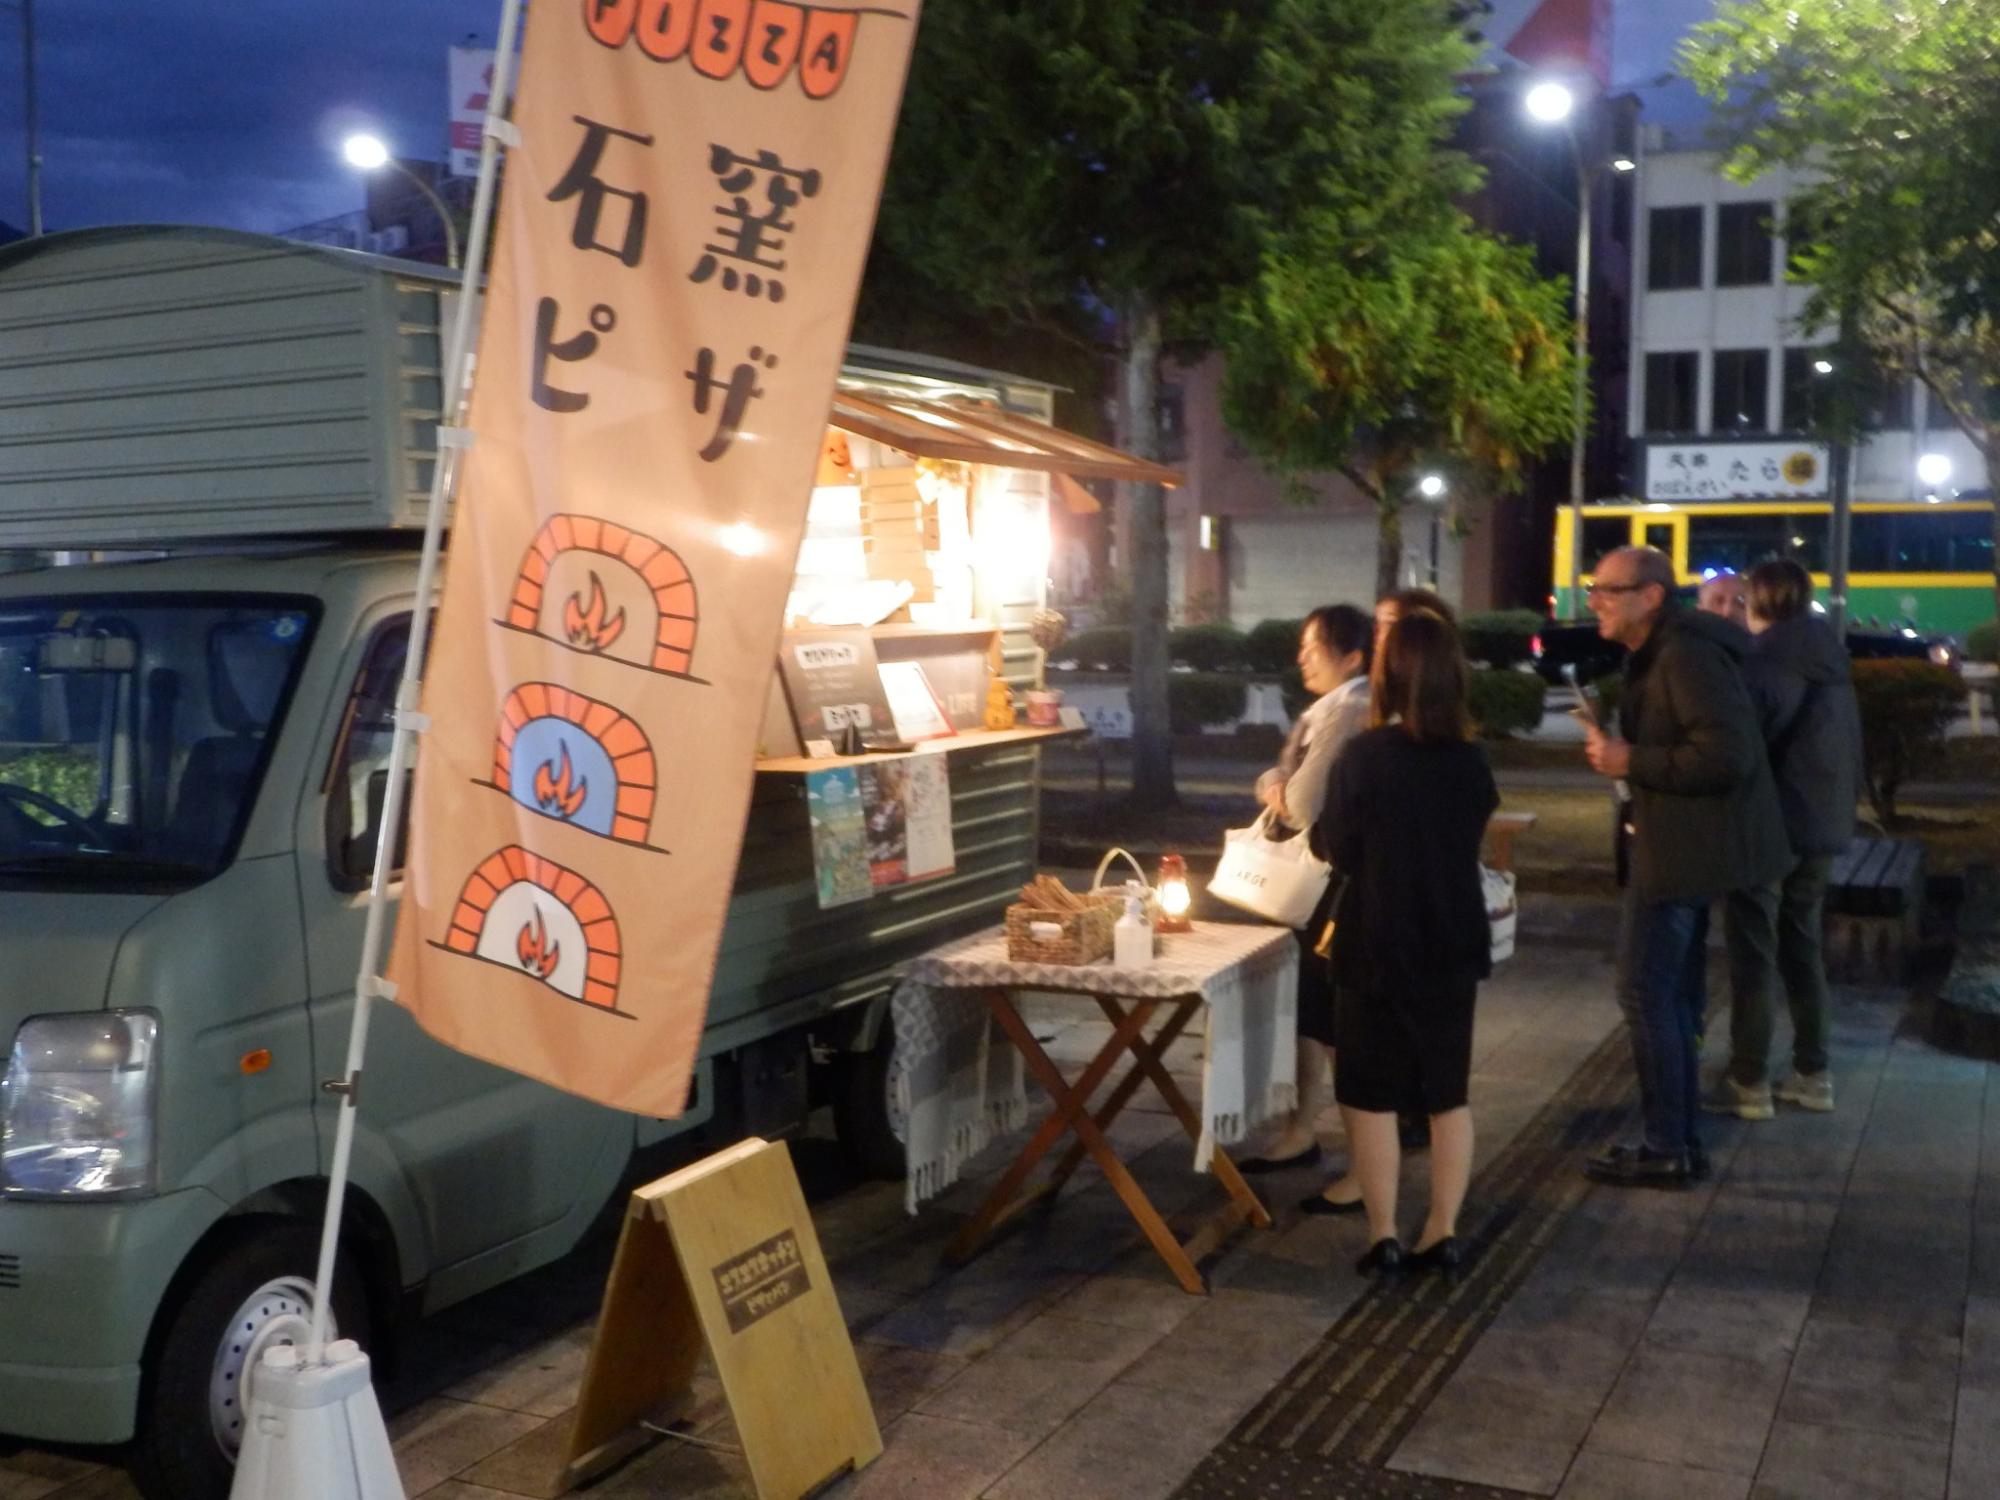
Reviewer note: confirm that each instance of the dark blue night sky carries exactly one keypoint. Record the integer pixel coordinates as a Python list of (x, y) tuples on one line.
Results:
[(231, 111), (222, 111)]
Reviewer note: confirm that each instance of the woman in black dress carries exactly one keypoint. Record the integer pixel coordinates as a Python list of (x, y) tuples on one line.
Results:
[(1404, 817)]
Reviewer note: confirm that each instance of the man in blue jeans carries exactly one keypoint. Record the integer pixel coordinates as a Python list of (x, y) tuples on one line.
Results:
[(1705, 822)]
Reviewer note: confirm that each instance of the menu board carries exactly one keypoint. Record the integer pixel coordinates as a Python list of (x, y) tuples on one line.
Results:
[(832, 680)]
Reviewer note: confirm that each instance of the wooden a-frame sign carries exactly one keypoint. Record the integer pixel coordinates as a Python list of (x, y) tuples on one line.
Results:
[(722, 1254)]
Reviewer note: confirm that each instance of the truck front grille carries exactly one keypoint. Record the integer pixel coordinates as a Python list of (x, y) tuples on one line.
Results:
[(10, 1272)]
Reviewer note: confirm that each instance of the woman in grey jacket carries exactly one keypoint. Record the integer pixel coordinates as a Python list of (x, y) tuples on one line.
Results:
[(1798, 675)]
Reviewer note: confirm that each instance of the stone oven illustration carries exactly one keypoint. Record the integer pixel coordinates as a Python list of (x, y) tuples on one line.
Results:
[(577, 760), (532, 916), (604, 590)]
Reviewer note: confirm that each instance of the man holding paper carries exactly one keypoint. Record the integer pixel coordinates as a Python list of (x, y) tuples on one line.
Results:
[(1706, 822)]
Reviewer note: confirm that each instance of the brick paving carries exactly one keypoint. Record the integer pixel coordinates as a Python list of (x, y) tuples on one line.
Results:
[(1823, 1318)]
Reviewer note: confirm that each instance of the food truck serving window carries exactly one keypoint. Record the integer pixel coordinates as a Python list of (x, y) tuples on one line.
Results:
[(134, 732)]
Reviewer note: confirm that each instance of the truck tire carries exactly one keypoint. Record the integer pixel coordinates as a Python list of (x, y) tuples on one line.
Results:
[(244, 1299), (861, 1110)]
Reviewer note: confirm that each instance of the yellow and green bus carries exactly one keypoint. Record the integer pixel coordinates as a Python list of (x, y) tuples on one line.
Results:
[(1924, 565)]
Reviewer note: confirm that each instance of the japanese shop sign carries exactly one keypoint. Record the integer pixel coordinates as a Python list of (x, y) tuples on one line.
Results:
[(1736, 471), (680, 241), (469, 78)]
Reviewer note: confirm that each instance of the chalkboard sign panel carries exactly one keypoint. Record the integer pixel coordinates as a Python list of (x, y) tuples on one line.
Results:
[(831, 681)]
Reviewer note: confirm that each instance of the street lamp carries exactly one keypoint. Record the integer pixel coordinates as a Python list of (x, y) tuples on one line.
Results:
[(1551, 103), (1432, 488), (1934, 471), (368, 153)]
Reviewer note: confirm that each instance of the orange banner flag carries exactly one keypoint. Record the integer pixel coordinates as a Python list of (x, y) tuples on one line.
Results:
[(682, 234)]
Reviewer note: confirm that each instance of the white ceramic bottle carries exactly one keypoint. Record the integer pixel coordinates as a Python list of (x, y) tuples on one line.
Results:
[(1132, 936)]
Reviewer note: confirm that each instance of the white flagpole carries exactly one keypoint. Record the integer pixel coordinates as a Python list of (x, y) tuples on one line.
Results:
[(452, 441)]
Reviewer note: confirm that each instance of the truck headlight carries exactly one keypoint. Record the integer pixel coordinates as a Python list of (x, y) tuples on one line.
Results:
[(77, 1106)]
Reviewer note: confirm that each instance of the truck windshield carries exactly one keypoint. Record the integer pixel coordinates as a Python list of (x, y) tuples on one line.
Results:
[(133, 733)]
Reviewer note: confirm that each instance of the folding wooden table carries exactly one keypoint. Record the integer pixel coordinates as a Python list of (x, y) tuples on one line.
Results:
[(1248, 977)]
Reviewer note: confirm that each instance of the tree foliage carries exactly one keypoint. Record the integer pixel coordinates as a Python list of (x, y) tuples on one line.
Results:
[(1893, 108), (1119, 169), (1383, 335)]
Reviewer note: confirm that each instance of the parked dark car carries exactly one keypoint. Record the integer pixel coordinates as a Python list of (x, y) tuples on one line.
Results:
[(1564, 643)]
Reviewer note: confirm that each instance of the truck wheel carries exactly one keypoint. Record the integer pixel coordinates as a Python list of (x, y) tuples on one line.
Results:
[(862, 1107), (252, 1294)]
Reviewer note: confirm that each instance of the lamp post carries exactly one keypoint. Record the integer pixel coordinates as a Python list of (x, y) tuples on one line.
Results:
[(1432, 488), (1552, 103), (368, 153), (30, 115)]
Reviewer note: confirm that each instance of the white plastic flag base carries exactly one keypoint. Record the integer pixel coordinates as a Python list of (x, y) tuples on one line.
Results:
[(315, 1431)]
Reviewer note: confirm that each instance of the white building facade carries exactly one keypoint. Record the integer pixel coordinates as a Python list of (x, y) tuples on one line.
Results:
[(1717, 348)]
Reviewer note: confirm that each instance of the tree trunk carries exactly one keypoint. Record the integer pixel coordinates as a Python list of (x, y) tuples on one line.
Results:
[(1146, 508), (1388, 549)]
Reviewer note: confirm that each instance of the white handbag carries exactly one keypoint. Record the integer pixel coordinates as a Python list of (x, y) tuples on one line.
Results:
[(1280, 880), (1502, 911)]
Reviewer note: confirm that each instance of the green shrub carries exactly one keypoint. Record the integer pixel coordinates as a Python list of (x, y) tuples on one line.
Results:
[(1982, 642), (1216, 647), (1505, 703), (1906, 706), (1108, 648), (1499, 638), (1609, 692), (1273, 645), (1197, 699)]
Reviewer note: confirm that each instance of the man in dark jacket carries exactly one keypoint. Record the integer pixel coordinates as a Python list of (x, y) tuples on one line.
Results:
[(1706, 822), (1799, 678)]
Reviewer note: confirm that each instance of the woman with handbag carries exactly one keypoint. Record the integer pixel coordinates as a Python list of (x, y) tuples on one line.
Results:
[(1333, 661), (1404, 816)]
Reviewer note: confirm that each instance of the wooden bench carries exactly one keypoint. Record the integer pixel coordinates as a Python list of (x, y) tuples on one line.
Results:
[(1874, 908)]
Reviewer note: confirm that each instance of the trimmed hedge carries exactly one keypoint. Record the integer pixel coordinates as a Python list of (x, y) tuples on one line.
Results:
[(1505, 703), (1906, 706), (1214, 647), (1197, 699), (1273, 645), (1500, 637), (1108, 648), (1982, 642)]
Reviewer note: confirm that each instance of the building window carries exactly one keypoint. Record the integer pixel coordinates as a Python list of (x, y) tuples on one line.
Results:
[(1743, 244), (1882, 402), (1805, 389), (1741, 391), (1670, 391), (1673, 249)]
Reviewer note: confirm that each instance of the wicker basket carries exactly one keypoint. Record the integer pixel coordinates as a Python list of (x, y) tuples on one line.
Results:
[(1085, 936)]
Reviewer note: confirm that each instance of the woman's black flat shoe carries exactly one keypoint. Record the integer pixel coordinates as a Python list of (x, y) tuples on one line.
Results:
[(1257, 1166), (1384, 1258), (1319, 1203), (1446, 1256)]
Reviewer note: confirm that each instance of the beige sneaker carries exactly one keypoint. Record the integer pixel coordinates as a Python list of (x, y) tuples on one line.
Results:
[(1728, 1097), (1813, 1091)]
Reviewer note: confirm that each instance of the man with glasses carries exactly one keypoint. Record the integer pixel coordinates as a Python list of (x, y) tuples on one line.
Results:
[(1706, 822)]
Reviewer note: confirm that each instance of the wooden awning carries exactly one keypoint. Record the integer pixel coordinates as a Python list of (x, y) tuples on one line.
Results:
[(981, 434)]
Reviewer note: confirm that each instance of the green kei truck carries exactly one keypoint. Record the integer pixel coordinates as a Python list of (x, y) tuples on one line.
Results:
[(215, 450)]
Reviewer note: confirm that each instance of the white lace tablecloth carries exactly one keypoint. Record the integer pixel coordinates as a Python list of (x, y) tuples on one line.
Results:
[(958, 1082)]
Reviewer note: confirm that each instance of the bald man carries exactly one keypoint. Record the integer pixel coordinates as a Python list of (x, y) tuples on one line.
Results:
[(1722, 594)]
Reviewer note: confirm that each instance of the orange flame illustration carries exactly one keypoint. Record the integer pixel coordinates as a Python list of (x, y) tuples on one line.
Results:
[(586, 625), (537, 954), (554, 791)]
